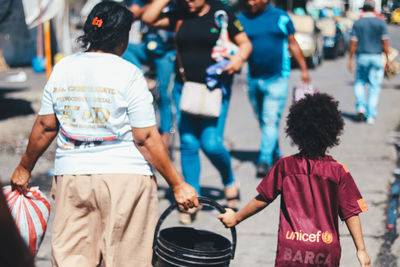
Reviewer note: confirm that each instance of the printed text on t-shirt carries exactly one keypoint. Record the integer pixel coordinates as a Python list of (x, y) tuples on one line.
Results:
[(326, 236)]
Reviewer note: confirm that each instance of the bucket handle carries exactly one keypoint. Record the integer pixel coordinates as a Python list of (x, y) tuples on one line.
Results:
[(202, 200)]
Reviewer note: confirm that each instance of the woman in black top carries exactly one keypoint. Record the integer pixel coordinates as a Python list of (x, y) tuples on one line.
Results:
[(196, 35)]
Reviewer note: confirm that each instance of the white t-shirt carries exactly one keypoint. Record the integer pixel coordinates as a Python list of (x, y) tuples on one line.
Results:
[(98, 98)]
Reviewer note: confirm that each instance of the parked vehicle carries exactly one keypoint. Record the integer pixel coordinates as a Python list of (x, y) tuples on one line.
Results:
[(334, 41), (345, 24), (395, 17), (309, 38), (392, 12)]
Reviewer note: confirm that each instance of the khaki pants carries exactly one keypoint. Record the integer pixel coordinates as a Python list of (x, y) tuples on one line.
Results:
[(107, 218)]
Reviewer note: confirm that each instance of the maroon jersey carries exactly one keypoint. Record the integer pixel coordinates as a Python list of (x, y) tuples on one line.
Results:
[(313, 194)]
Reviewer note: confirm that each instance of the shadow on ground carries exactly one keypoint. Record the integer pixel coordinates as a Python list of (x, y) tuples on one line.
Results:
[(245, 155), (13, 107), (386, 258), (350, 116)]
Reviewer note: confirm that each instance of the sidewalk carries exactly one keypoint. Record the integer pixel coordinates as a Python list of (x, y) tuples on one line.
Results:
[(364, 149)]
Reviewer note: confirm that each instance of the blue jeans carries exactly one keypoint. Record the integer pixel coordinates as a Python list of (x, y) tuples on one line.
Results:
[(207, 134), (137, 55), (268, 98), (369, 71)]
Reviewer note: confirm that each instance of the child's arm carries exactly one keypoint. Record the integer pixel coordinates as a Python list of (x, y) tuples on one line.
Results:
[(231, 218), (354, 225)]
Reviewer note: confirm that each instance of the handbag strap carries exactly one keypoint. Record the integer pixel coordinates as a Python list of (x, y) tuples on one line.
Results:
[(178, 55)]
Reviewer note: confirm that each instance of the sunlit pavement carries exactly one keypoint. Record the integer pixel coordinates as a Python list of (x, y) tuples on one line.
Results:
[(364, 149)]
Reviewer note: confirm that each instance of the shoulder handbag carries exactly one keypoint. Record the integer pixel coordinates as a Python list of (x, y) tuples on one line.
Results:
[(196, 98)]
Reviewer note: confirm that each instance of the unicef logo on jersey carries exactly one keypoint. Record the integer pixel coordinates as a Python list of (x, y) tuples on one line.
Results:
[(326, 236)]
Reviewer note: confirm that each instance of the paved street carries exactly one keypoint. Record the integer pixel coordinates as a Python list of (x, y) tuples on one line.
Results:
[(364, 149)]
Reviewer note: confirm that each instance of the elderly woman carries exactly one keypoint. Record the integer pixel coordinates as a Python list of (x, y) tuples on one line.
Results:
[(99, 107), (196, 33)]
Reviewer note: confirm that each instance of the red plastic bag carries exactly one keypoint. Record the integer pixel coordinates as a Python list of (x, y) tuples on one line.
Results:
[(31, 214)]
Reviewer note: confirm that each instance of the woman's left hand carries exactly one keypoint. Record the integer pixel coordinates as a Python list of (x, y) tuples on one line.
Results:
[(235, 64)]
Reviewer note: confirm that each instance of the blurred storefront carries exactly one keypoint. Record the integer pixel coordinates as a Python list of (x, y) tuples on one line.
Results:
[(351, 5)]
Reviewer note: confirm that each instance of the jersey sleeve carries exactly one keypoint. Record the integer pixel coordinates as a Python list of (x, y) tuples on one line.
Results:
[(385, 34), (234, 25), (350, 200), (140, 102), (290, 27), (285, 24), (353, 34), (271, 186)]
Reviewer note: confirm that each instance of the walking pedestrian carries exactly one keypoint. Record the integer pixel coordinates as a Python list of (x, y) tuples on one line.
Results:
[(315, 190), (369, 38), (99, 107), (196, 34), (155, 50), (269, 71)]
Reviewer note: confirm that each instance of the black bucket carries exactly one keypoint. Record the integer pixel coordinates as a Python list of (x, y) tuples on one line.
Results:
[(187, 246)]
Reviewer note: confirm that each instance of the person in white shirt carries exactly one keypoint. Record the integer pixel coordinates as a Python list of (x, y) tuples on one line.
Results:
[(99, 107)]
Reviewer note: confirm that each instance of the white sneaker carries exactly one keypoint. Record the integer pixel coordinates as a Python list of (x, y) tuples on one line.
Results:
[(371, 121)]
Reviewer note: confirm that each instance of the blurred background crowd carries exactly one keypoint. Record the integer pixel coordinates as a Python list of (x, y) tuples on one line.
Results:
[(38, 33), (322, 27)]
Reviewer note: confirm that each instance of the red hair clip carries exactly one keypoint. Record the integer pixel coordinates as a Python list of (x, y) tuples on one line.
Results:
[(97, 22)]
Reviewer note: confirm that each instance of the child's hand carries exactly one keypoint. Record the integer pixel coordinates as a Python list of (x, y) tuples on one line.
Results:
[(363, 258), (228, 218)]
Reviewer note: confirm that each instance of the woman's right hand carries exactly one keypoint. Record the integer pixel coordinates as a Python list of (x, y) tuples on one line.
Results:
[(186, 196), (235, 64), (19, 180)]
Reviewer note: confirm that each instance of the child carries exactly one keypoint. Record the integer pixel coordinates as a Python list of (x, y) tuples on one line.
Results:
[(314, 190)]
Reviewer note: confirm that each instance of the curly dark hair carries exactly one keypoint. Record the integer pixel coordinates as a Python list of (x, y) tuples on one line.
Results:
[(112, 28), (314, 124)]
